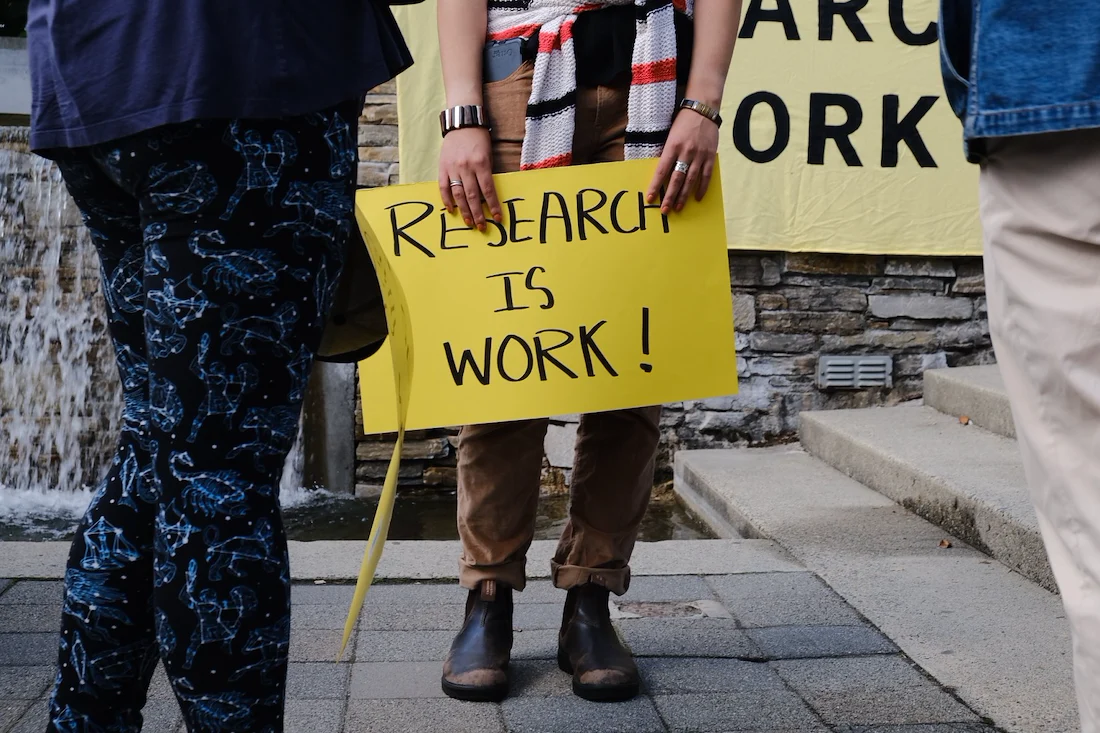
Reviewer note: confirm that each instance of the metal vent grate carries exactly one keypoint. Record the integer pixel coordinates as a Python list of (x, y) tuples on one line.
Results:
[(855, 372)]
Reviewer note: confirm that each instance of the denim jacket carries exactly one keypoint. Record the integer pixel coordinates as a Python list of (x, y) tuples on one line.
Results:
[(1020, 67)]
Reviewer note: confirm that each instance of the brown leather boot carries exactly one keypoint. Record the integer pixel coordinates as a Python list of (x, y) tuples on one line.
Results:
[(477, 666), (589, 648)]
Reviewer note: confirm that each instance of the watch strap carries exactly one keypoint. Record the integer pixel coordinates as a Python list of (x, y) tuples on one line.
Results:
[(702, 108), (464, 115)]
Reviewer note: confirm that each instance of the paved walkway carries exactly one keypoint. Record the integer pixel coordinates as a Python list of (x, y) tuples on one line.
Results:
[(761, 651)]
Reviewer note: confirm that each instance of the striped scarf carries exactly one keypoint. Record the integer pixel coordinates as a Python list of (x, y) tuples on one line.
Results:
[(548, 142)]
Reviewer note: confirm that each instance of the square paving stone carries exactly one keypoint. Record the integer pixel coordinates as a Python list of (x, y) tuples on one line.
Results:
[(871, 691), (535, 644), (162, 715), (797, 642), (317, 680), (431, 617), (27, 649), (22, 618), (780, 599), (572, 714), (36, 592), (416, 594), (159, 687), (706, 675), (25, 683), (667, 588), (738, 710), (305, 594), (403, 646), (314, 716), (935, 728), (11, 711), (319, 646), (396, 680), (35, 719), (696, 637), (533, 616), (422, 716), (318, 617), (540, 591), (539, 678)]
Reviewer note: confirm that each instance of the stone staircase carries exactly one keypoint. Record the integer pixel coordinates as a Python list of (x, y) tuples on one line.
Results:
[(919, 516)]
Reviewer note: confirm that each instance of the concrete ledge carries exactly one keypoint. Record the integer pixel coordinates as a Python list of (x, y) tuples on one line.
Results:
[(1001, 641), (977, 392), (339, 561), (962, 478)]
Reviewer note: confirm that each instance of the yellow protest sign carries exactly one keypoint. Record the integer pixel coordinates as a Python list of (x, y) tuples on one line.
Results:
[(837, 135), (400, 371), (584, 298)]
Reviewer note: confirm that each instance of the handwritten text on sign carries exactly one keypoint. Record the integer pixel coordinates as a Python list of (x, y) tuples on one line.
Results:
[(584, 298)]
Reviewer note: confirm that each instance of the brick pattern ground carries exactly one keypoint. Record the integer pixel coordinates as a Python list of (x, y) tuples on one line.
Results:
[(792, 657)]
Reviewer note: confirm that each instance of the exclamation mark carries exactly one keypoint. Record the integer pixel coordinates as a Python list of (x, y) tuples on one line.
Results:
[(646, 366)]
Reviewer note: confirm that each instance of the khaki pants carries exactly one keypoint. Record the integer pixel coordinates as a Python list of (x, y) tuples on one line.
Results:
[(499, 466), (1040, 205)]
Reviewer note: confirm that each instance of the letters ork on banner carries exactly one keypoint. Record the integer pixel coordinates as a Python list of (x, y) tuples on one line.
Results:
[(585, 298), (837, 136)]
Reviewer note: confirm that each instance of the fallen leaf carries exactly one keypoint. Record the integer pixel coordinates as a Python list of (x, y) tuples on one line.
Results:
[(964, 419), (945, 544)]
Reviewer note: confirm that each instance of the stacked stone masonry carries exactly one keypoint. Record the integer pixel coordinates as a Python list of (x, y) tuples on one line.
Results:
[(788, 309)]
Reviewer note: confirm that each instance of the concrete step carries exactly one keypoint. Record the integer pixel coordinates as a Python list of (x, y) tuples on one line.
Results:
[(976, 392), (1001, 641), (960, 477)]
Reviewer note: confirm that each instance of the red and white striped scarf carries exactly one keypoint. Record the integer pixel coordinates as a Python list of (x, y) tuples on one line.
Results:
[(548, 141)]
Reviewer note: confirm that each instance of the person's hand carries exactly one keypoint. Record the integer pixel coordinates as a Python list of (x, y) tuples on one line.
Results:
[(693, 139), (466, 175)]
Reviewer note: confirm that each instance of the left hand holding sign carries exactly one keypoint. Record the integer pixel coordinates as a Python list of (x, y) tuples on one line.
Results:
[(693, 139)]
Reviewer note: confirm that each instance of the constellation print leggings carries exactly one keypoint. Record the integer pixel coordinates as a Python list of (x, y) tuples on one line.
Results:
[(220, 243)]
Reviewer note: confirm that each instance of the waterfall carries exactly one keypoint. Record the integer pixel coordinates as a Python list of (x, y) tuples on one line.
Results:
[(60, 403)]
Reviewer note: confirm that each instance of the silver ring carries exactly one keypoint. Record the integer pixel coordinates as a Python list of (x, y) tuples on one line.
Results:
[(455, 183), (682, 167)]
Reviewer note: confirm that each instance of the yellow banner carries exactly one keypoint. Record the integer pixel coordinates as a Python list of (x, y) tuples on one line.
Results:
[(837, 136), (585, 298)]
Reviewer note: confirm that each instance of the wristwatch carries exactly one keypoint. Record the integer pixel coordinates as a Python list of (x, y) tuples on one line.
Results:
[(704, 109), (466, 115)]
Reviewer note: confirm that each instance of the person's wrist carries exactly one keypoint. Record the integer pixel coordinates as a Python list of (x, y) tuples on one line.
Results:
[(462, 117), (704, 109)]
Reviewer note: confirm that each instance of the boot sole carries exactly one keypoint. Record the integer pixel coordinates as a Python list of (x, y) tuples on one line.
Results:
[(469, 693), (596, 693)]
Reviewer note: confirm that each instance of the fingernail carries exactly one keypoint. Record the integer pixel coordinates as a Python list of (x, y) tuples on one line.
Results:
[(650, 199), (481, 227), (498, 218), (468, 222)]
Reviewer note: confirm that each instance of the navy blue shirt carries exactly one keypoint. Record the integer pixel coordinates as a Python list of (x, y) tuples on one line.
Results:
[(106, 69)]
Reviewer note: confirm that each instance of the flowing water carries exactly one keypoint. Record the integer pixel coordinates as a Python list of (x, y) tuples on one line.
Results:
[(59, 402)]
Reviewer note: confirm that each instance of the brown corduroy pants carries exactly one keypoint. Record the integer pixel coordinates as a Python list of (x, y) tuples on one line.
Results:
[(499, 466)]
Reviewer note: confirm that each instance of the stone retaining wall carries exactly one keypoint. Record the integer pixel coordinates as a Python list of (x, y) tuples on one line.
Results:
[(789, 309)]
